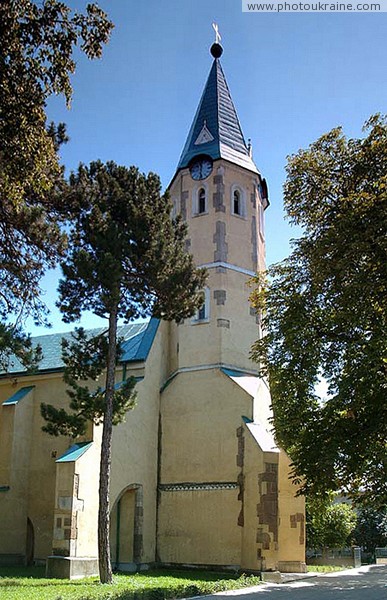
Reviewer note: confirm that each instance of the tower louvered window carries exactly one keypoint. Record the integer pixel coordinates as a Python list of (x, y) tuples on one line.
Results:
[(201, 201)]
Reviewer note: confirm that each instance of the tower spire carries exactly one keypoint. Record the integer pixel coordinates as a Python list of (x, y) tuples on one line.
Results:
[(215, 130)]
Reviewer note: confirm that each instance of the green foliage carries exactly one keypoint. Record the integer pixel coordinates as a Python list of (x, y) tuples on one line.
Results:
[(29, 583), (371, 529), (85, 360), (126, 259), (37, 41), (125, 251), (325, 314), (325, 568), (13, 341), (328, 524)]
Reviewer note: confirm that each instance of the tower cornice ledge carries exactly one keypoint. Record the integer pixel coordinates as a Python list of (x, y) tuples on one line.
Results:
[(229, 266)]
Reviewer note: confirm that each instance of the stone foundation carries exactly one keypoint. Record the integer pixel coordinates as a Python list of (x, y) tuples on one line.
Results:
[(292, 566), (67, 567)]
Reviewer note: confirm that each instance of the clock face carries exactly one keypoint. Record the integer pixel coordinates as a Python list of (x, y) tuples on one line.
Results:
[(201, 168)]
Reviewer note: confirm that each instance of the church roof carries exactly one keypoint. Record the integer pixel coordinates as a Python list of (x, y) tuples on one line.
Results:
[(136, 338), (216, 131), (74, 452)]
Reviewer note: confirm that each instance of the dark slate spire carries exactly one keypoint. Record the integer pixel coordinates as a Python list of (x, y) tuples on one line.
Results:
[(215, 130)]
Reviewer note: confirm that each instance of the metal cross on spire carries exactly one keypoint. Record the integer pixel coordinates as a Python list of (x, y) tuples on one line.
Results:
[(217, 34)]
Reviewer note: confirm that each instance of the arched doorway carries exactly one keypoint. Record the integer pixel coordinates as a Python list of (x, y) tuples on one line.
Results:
[(126, 520)]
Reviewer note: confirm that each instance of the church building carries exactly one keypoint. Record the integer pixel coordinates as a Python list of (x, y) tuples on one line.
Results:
[(196, 477)]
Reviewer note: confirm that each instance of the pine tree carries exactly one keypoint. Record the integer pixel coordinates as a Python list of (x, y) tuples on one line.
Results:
[(126, 260)]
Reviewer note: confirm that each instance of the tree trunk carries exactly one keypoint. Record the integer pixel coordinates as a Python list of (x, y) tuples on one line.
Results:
[(105, 568)]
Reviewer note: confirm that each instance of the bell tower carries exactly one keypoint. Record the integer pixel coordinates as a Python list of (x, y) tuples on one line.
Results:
[(220, 193), (224, 497)]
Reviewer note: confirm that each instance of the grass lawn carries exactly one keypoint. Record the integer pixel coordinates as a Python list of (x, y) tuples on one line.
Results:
[(325, 568), (29, 583)]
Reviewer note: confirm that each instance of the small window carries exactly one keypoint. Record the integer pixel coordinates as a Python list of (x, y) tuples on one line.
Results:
[(201, 201), (203, 312), (175, 208), (237, 202)]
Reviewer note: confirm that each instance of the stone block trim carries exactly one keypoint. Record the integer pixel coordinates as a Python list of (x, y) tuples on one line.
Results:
[(218, 196), (183, 205), (220, 296), (223, 323), (253, 199), (241, 447), (138, 525), (298, 519), (240, 457), (267, 509), (254, 243), (219, 239), (263, 539), (241, 516)]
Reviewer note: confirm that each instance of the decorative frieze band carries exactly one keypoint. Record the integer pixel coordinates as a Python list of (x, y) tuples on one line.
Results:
[(198, 487)]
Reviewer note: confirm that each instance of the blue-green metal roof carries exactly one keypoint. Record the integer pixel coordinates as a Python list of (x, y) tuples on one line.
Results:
[(19, 395), (216, 113), (74, 452), (237, 372), (137, 339), (137, 347)]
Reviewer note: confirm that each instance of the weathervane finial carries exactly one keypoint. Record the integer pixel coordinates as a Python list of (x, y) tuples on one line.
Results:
[(216, 48), (217, 34)]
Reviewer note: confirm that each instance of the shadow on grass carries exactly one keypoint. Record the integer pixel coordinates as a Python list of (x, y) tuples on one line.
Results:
[(33, 576), (162, 584), (198, 574), (19, 572)]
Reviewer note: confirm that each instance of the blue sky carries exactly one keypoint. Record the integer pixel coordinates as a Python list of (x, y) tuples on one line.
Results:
[(292, 77)]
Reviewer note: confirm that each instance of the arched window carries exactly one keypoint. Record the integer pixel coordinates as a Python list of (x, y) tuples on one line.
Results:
[(201, 201), (175, 208), (202, 309), (203, 312), (237, 202)]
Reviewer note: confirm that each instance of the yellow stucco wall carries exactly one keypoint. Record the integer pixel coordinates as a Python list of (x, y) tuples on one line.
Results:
[(240, 250), (199, 527), (135, 445), (31, 465), (273, 532), (291, 534), (15, 426), (200, 412), (201, 227)]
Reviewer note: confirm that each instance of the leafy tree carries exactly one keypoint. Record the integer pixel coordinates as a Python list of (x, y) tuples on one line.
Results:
[(325, 314), (37, 42), (328, 525), (371, 529), (126, 260)]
